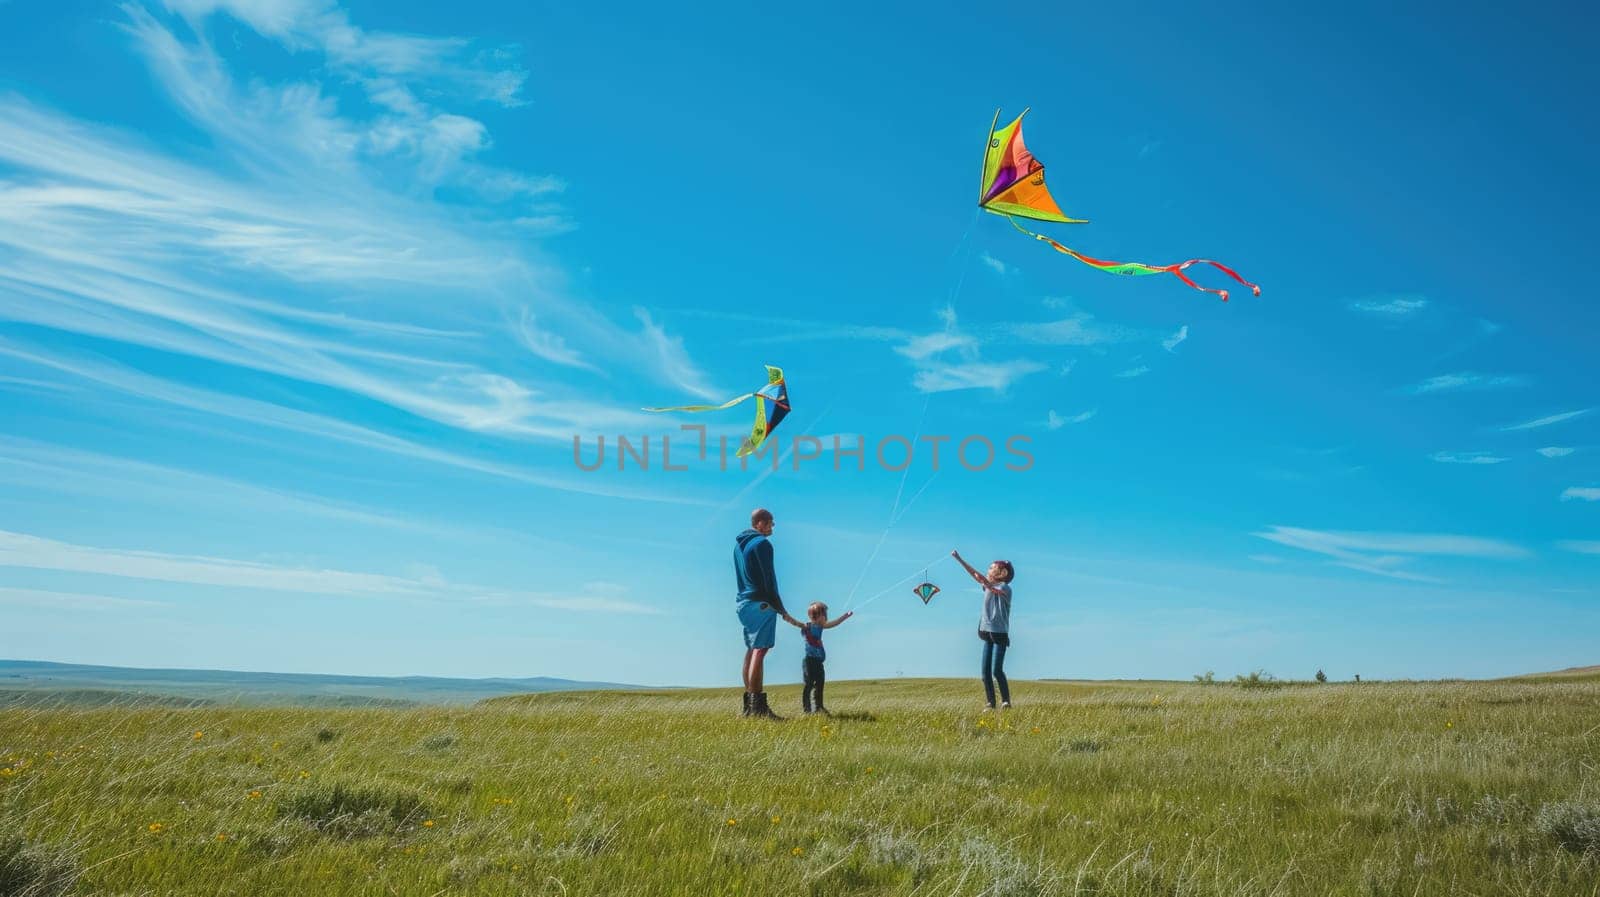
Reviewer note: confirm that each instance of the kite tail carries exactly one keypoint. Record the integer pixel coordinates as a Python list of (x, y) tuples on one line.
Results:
[(1139, 268)]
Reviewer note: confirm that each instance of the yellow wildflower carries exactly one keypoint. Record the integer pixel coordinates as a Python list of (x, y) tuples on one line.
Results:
[(732, 821), (797, 851), (255, 795), (427, 823), (222, 836), (199, 735), (304, 774), (777, 819), (156, 827)]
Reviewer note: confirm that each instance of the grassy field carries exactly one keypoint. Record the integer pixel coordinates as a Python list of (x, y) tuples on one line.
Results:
[(1085, 788)]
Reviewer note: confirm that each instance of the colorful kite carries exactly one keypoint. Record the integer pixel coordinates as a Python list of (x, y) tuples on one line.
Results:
[(776, 392), (926, 591), (1013, 186)]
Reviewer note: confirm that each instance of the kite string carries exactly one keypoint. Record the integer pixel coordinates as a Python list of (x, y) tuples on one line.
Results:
[(897, 584), (895, 512)]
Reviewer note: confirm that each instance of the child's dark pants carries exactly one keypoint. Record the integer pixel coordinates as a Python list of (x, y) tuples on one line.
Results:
[(811, 697)]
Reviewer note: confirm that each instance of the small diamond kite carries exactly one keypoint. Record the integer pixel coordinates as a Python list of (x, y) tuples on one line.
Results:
[(926, 591)]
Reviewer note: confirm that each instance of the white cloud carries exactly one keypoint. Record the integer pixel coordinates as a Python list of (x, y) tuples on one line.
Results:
[(1468, 458), (22, 550), (1547, 421), (1171, 342), (994, 264), (1555, 451), (1066, 367), (1396, 307), (997, 376), (1078, 330), (1581, 547), (1386, 554), (547, 345), (1581, 493), (422, 582), (1055, 421), (1135, 371), (265, 414), (670, 359), (931, 344), (1467, 380), (73, 601)]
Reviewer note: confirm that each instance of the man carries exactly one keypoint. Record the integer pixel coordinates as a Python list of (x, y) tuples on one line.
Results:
[(759, 607)]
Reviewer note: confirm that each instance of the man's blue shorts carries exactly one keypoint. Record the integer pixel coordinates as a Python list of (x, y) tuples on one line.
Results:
[(760, 624)]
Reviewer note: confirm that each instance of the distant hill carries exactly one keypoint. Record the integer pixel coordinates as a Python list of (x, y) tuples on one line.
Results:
[(1569, 674), (34, 682)]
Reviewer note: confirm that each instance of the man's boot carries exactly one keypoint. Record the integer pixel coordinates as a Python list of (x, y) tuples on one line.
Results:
[(746, 710), (758, 707)]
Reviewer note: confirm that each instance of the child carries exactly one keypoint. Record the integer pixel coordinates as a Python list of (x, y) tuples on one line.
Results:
[(811, 666), (994, 627)]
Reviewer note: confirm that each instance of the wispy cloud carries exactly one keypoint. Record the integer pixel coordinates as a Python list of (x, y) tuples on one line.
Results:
[(931, 344), (1581, 547), (1468, 458), (1555, 451), (73, 601), (1581, 493), (996, 376), (1386, 554), (1135, 371), (994, 264), (1467, 381), (302, 206), (1547, 421), (266, 414), (423, 583), (1391, 307), (1055, 421), (23, 550), (1171, 342), (672, 360), (1077, 330)]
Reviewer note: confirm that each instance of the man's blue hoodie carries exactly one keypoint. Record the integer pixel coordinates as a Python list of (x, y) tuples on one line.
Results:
[(752, 564)]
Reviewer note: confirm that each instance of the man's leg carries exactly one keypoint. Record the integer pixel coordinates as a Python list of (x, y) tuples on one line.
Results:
[(757, 673)]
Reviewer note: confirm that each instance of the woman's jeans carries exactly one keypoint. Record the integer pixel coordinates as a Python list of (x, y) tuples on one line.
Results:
[(994, 664)]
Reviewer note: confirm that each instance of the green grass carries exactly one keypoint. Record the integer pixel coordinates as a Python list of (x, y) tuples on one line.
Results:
[(1085, 788)]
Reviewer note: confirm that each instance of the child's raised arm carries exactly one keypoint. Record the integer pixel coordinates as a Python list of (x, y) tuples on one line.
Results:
[(840, 619), (971, 571), (979, 578)]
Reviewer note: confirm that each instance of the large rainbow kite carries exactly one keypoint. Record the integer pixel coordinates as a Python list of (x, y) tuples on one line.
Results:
[(1013, 186)]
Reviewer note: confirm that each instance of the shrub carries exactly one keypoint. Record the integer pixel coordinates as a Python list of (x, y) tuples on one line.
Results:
[(1321, 676), (28, 869), (326, 735), (1576, 826), (1257, 679), (351, 811), (1207, 678)]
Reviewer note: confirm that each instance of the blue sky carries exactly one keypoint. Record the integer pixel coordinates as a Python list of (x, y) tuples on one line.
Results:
[(302, 304)]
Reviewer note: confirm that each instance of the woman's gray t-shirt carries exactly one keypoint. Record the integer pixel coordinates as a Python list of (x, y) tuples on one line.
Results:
[(996, 608)]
